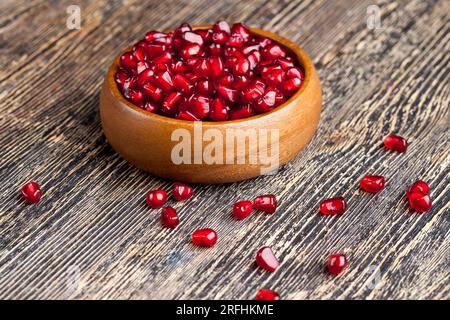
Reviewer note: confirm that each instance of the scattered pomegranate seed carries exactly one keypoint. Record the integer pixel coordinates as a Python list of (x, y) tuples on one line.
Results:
[(169, 217), (266, 203), (266, 294), (31, 192), (242, 209), (333, 206), (418, 186), (231, 73), (182, 191), (156, 199), (204, 237), (420, 202), (266, 259), (372, 184), (336, 263), (395, 143)]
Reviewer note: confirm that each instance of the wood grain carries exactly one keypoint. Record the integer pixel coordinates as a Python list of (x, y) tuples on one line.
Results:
[(92, 217)]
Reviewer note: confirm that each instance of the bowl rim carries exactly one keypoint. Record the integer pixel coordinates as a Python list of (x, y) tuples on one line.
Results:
[(302, 57)]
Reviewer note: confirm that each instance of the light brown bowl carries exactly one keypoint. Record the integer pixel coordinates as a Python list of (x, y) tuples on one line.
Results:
[(144, 139)]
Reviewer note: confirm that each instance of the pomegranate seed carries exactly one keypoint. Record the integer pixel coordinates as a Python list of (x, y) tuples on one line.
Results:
[(420, 202), (122, 80), (156, 199), (182, 83), (182, 28), (205, 34), (266, 294), (235, 41), (333, 206), (170, 102), (128, 61), (372, 184), (217, 66), (247, 49), (136, 97), (266, 203), (294, 72), (178, 67), (241, 82), (169, 217), (219, 111), (163, 80), (253, 92), (31, 192), (266, 259), (204, 237), (187, 115), (150, 107), (190, 50), (153, 92), (267, 102), (242, 112), (204, 86), (242, 30), (139, 53), (228, 94), (201, 106), (152, 35), (215, 49), (336, 263), (202, 67), (273, 51), (253, 59), (291, 85), (154, 49), (266, 69), (222, 26), (193, 37), (264, 42), (395, 143), (418, 186), (181, 191), (226, 80), (242, 209), (241, 66), (275, 77), (285, 63), (163, 58), (141, 66), (144, 77), (220, 37)]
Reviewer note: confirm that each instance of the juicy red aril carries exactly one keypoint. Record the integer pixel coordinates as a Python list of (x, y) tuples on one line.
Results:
[(31, 192), (418, 186), (182, 191), (372, 184), (266, 203), (169, 217), (333, 206), (266, 294), (420, 202), (395, 143), (242, 209), (266, 259), (217, 74), (336, 263), (204, 237), (156, 199)]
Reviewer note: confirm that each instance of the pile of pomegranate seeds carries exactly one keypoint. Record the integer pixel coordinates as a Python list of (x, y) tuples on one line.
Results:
[(372, 184), (266, 294), (31, 192), (266, 259), (336, 263), (418, 197), (217, 74)]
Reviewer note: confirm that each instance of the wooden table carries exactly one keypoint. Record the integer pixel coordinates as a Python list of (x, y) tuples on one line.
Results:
[(92, 235)]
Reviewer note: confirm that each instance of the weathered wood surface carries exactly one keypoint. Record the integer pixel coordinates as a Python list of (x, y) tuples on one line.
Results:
[(92, 217)]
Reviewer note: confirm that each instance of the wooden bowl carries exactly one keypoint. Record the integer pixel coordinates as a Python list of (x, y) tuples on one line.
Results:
[(146, 140)]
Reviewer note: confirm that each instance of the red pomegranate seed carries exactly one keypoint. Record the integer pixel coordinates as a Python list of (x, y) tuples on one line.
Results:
[(266, 203), (154, 49), (336, 263), (220, 37), (294, 72), (204, 237), (152, 35), (266, 259), (163, 80), (178, 67), (253, 59), (228, 94), (202, 67), (163, 58), (182, 191), (217, 66), (182, 83), (235, 41), (128, 61), (204, 86), (215, 49), (190, 50), (145, 77), (219, 111), (242, 112), (205, 34), (136, 97), (225, 79), (420, 202), (169, 217), (156, 199), (333, 206), (31, 192), (372, 184), (193, 37), (247, 49), (267, 102), (418, 186), (242, 209), (266, 294), (275, 77), (150, 107), (187, 115), (140, 54), (291, 85), (222, 26), (184, 27), (171, 100), (273, 51), (241, 66), (241, 82), (253, 92), (153, 92), (285, 62), (201, 106), (242, 30), (395, 143)]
